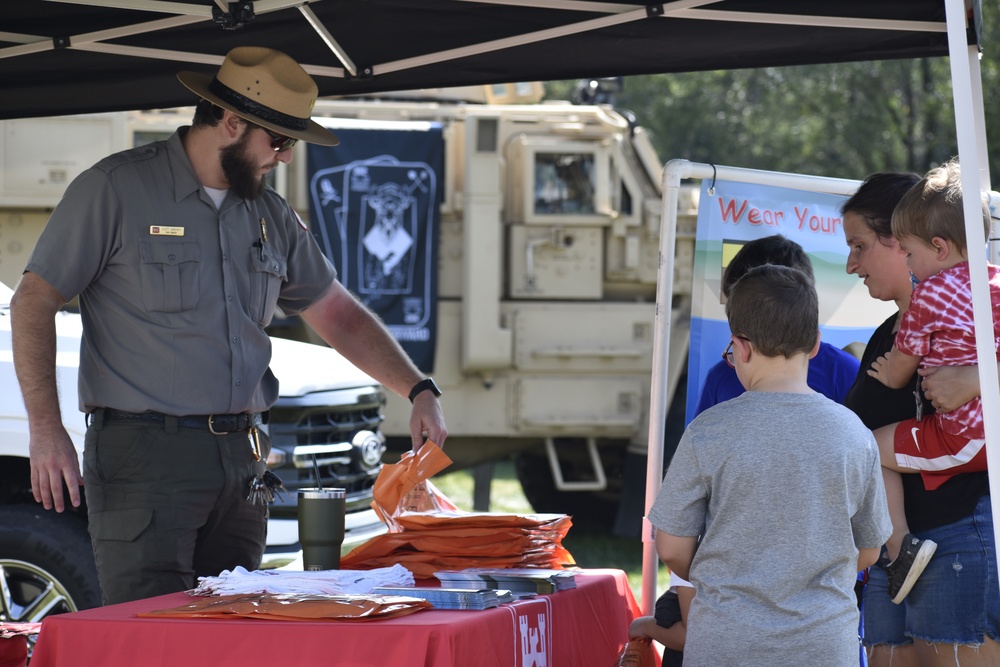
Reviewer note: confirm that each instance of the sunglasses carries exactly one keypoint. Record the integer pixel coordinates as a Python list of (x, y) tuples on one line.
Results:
[(279, 142), (728, 354)]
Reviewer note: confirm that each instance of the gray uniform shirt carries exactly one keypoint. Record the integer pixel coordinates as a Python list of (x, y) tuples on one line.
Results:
[(784, 488), (174, 293)]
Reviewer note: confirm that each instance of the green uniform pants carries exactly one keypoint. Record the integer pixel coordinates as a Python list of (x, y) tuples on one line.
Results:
[(168, 505)]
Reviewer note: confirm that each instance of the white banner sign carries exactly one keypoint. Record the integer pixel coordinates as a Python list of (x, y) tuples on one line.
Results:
[(735, 213)]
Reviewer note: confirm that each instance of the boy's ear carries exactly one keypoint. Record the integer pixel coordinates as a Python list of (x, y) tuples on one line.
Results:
[(743, 348), (815, 350), (942, 248)]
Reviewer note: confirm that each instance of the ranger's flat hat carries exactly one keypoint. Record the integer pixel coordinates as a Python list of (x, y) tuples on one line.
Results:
[(266, 87)]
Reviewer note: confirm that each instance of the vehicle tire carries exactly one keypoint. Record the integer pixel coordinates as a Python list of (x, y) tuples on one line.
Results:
[(591, 510), (47, 564)]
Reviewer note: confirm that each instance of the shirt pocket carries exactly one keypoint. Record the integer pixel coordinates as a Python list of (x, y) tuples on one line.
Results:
[(267, 274), (169, 273)]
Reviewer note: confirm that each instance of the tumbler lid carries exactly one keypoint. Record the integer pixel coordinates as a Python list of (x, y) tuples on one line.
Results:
[(322, 493)]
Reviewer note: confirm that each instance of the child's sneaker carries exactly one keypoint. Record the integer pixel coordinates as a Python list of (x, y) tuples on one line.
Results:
[(903, 572)]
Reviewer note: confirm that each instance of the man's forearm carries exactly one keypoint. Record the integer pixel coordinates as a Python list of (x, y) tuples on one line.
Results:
[(33, 333), (357, 333)]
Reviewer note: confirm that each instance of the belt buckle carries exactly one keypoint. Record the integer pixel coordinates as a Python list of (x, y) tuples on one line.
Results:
[(211, 427)]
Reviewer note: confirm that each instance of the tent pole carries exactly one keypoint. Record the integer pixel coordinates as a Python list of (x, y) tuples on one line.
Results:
[(672, 174), (968, 121)]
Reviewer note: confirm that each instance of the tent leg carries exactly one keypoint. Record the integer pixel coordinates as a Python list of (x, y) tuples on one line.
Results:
[(964, 60), (658, 389)]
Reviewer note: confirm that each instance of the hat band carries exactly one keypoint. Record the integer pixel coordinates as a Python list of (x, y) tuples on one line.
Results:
[(262, 112)]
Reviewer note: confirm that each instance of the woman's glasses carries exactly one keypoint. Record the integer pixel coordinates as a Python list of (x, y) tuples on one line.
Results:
[(728, 354)]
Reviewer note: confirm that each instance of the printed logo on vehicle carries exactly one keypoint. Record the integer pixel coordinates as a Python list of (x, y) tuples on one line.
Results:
[(376, 208)]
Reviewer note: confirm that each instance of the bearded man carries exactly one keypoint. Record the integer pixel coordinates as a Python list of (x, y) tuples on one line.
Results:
[(179, 254)]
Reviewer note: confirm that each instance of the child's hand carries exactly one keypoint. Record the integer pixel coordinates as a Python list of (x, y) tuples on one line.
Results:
[(639, 629), (880, 368)]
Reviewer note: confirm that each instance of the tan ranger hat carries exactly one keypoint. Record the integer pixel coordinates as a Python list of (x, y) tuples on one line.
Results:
[(265, 87)]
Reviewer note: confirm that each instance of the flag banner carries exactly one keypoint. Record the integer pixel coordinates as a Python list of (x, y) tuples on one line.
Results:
[(375, 205)]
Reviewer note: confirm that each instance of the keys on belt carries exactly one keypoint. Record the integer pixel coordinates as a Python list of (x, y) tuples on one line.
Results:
[(262, 485), (216, 424)]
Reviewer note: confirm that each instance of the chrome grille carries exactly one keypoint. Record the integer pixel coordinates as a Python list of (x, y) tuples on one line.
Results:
[(321, 433)]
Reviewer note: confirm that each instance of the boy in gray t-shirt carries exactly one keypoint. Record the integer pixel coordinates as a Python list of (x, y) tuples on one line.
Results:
[(784, 488)]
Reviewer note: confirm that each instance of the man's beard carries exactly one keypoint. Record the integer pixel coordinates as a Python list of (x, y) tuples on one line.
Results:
[(240, 173)]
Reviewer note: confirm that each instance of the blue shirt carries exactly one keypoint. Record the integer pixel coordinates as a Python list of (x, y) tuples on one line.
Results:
[(831, 373)]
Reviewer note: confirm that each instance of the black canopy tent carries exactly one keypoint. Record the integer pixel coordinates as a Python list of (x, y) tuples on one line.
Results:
[(76, 56), (73, 56)]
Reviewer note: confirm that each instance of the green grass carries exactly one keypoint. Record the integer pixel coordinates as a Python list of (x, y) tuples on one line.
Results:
[(591, 550)]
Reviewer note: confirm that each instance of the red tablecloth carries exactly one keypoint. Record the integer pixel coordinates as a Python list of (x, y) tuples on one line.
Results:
[(584, 626), (13, 651)]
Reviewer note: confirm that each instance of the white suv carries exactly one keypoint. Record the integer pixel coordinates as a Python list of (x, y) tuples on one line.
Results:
[(326, 419)]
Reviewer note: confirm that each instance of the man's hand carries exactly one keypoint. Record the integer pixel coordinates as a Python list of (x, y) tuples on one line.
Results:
[(53, 457), (54, 462), (427, 420), (950, 387), (349, 327)]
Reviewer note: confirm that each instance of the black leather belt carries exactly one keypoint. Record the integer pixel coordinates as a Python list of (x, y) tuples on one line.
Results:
[(217, 424)]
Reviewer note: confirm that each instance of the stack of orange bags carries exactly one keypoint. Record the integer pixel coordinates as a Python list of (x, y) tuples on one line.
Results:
[(428, 533), (293, 607)]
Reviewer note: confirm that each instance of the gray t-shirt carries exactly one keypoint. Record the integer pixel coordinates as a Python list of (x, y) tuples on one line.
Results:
[(784, 489), (174, 292)]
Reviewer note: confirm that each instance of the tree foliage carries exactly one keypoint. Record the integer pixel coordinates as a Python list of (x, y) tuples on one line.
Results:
[(844, 120)]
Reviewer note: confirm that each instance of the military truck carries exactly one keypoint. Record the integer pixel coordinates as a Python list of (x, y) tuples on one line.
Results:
[(546, 266)]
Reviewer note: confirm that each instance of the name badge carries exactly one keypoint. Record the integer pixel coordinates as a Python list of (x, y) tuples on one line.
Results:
[(157, 230)]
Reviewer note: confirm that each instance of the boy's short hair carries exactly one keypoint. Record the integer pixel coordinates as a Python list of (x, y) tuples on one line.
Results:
[(777, 309), (933, 207), (774, 249)]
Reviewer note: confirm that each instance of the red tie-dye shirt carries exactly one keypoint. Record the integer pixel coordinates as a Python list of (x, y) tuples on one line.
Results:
[(939, 327)]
